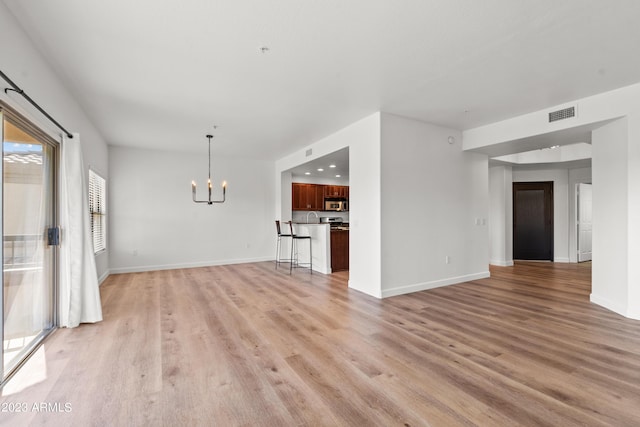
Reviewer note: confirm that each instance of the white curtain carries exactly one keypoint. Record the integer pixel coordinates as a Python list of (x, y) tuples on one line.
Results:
[(79, 287)]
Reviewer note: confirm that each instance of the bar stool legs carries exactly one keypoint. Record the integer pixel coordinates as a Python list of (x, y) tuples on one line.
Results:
[(279, 245), (294, 251)]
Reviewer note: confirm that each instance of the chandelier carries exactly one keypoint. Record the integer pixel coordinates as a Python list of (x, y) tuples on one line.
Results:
[(209, 201)]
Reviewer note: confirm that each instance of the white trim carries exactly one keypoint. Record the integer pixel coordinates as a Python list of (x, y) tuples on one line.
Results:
[(400, 290), (618, 308), (351, 284), (320, 269), (143, 268), (501, 263), (633, 314), (559, 259), (103, 277)]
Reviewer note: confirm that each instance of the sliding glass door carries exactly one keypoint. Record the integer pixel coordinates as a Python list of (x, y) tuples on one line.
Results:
[(28, 211)]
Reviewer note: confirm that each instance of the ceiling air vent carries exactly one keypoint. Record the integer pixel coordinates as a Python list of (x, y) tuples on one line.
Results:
[(565, 113), (308, 152)]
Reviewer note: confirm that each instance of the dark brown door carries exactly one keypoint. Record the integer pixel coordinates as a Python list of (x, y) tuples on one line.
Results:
[(533, 220)]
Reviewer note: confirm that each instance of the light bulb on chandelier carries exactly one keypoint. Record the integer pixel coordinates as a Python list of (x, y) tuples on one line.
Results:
[(209, 201)]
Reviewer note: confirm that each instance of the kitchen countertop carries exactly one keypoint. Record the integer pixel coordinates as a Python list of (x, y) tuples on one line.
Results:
[(342, 227), (312, 223)]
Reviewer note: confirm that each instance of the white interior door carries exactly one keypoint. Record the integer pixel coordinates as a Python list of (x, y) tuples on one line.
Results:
[(584, 222)]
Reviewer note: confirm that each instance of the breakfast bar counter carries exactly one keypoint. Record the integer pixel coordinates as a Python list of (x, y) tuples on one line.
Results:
[(320, 245)]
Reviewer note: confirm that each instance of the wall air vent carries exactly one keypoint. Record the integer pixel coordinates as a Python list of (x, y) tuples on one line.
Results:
[(565, 113)]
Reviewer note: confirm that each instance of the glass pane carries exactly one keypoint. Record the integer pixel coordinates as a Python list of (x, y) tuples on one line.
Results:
[(27, 193)]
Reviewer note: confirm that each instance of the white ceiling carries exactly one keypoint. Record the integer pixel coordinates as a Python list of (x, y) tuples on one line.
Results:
[(553, 154), (160, 73), (339, 159)]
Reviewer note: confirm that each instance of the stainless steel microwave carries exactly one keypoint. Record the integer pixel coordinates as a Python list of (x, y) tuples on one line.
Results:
[(336, 205)]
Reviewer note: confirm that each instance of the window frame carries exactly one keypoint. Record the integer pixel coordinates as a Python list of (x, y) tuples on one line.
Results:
[(97, 193)]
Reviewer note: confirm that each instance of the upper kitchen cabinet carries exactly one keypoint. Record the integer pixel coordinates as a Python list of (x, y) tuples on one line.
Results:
[(307, 197), (336, 191)]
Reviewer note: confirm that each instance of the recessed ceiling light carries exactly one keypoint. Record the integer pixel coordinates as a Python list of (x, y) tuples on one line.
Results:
[(320, 170), (337, 176), (332, 166), (307, 173)]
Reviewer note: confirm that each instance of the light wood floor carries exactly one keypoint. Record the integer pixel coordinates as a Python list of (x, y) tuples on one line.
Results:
[(246, 345)]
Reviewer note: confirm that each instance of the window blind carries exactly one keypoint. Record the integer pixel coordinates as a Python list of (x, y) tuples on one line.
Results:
[(97, 209)]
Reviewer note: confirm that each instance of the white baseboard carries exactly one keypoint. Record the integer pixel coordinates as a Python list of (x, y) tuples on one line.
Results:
[(563, 259), (353, 285), (501, 263), (400, 290), (633, 314), (143, 268), (104, 276), (616, 307)]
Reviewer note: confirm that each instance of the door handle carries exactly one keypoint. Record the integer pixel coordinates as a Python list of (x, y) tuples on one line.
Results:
[(53, 236)]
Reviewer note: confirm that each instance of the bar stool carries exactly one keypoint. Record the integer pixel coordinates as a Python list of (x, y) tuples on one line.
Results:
[(279, 243), (294, 247)]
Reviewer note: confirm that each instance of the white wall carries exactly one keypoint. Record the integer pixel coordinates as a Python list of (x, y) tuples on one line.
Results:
[(633, 204), (363, 140), (155, 225), (616, 228), (501, 216), (610, 216), (594, 109), (432, 195), (22, 62), (560, 178), (285, 197), (422, 194), (364, 207), (615, 116)]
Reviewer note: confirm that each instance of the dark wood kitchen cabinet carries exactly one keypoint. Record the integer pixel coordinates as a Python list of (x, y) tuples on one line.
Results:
[(336, 191), (307, 197), (339, 250)]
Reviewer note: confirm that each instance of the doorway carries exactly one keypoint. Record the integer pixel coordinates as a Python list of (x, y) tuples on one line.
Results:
[(29, 160), (583, 221), (533, 221)]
